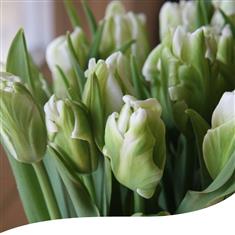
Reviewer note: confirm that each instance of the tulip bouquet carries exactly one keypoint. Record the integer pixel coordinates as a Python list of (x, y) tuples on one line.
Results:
[(122, 130)]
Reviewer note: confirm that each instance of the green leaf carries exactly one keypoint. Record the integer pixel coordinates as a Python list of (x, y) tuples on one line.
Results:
[(204, 12), (180, 118), (180, 169), (77, 68), (168, 62), (90, 17), (96, 40), (222, 186), (72, 13), (29, 190), (57, 186), (20, 64), (63, 76), (18, 59), (200, 127), (126, 46), (137, 80), (71, 92), (82, 202), (103, 185), (92, 98)]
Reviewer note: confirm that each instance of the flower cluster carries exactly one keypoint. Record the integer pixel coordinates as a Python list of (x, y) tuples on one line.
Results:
[(123, 130)]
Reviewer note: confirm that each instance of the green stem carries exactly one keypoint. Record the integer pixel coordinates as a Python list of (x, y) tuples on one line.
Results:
[(47, 190), (138, 203)]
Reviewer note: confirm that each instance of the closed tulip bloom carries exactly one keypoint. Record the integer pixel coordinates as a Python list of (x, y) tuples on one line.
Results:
[(22, 124), (122, 27), (181, 14), (184, 67), (107, 82), (69, 130), (135, 145), (114, 79), (228, 7), (58, 54)]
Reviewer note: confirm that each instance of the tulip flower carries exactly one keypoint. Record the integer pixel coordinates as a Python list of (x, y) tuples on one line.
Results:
[(135, 145), (22, 124), (219, 142), (123, 27), (228, 7), (115, 144), (177, 14), (107, 82), (114, 78), (181, 69), (58, 54), (69, 130)]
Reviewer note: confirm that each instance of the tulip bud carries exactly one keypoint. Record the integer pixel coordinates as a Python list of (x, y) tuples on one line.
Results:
[(135, 145), (119, 65), (123, 27), (181, 14), (110, 90), (228, 7), (69, 129), (22, 125), (219, 142), (58, 54), (169, 17), (114, 79), (107, 82), (182, 70)]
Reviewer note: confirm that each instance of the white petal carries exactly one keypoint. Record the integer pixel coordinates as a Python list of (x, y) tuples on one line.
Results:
[(178, 39), (225, 110), (128, 99)]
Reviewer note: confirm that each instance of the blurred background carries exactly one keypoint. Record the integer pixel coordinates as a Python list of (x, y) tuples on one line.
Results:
[(42, 21)]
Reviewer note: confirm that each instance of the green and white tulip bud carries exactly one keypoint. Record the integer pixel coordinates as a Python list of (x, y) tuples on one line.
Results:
[(22, 124), (108, 85), (228, 7), (107, 82), (197, 71), (122, 27), (135, 145), (58, 54), (185, 67), (70, 132), (114, 78), (219, 141), (182, 70), (181, 14)]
